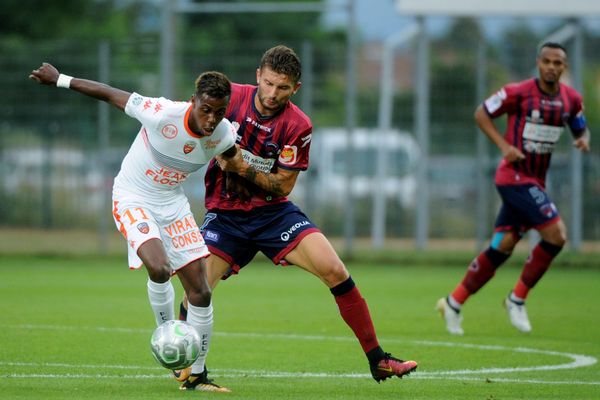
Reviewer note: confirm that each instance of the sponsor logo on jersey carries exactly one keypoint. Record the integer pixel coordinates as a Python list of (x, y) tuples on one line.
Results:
[(260, 164), (157, 107), (143, 227), (542, 133), (147, 104), (259, 126), (551, 103), (538, 147), (188, 147), (288, 155), (285, 236), (164, 176), (210, 144), (169, 131), (137, 100)]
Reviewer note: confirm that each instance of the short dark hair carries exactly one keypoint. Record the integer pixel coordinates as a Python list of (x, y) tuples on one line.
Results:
[(282, 60), (552, 45), (213, 84)]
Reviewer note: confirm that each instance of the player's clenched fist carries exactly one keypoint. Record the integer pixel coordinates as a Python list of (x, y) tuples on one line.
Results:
[(47, 74)]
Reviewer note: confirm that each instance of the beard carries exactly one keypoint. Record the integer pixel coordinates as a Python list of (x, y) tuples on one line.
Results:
[(269, 104)]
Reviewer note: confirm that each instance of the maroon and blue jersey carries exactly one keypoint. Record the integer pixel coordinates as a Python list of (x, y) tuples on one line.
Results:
[(267, 142), (535, 123)]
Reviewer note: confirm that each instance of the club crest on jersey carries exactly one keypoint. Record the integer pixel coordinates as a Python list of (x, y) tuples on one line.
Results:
[(288, 155), (169, 131), (143, 227), (188, 147)]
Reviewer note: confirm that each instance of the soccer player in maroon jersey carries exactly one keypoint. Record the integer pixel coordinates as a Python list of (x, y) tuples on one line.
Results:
[(537, 111), (247, 206)]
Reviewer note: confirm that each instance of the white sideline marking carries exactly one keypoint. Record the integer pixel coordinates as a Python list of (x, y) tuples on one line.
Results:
[(577, 360), (270, 374)]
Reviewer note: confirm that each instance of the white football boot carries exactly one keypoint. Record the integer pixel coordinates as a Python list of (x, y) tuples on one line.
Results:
[(452, 318), (517, 315)]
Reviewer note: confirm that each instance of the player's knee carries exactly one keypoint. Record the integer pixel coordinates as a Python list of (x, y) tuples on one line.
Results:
[(561, 238), (159, 272), (199, 297), (334, 273), (558, 241), (556, 235)]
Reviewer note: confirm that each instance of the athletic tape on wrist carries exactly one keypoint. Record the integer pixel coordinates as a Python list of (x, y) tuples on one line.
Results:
[(64, 81)]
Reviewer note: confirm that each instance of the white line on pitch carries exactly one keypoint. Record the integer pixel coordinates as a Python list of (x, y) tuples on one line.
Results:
[(278, 374), (578, 360)]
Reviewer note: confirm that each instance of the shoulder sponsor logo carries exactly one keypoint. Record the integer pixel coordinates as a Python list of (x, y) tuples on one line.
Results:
[(158, 107), (494, 102), (147, 104), (288, 155), (306, 140), (143, 227), (169, 131), (188, 147)]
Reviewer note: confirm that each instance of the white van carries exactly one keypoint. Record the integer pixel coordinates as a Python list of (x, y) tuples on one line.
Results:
[(328, 163)]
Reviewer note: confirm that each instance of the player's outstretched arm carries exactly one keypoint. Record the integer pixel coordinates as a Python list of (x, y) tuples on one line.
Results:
[(47, 74)]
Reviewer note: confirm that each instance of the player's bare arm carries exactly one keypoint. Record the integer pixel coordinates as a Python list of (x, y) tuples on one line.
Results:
[(280, 183), (486, 124), (47, 74)]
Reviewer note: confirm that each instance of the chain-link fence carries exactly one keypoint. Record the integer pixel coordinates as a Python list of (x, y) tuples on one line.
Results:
[(55, 172)]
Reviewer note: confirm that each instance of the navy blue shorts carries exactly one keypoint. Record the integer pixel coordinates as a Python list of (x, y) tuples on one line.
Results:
[(274, 230), (524, 207)]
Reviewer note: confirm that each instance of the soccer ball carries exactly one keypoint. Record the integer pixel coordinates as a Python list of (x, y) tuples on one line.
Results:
[(175, 344)]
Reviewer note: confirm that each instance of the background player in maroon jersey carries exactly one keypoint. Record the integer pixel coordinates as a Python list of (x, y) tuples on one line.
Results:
[(247, 206), (537, 110)]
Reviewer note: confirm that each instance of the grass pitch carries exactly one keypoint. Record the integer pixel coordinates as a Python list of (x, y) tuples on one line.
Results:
[(77, 327)]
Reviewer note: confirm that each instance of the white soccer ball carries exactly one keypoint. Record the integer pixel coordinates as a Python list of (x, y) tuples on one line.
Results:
[(175, 344)]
